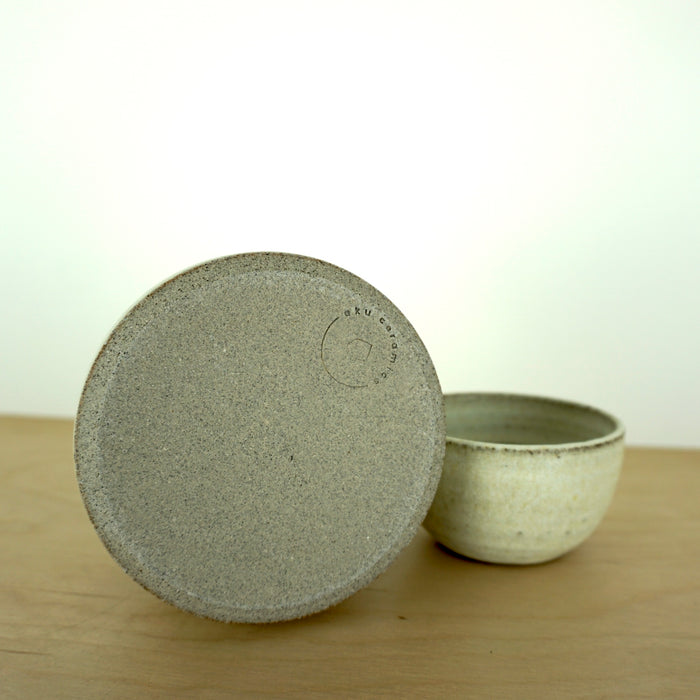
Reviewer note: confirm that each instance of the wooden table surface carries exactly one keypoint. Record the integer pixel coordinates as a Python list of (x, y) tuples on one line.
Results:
[(619, 617)]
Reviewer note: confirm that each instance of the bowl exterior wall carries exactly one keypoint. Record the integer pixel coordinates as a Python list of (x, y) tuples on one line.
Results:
[(522, 506)]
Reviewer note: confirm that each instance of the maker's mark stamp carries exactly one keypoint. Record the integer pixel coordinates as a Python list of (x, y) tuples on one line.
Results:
[(360, 347)]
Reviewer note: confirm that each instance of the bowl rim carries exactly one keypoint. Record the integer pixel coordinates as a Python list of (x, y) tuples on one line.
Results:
[(615, 435)]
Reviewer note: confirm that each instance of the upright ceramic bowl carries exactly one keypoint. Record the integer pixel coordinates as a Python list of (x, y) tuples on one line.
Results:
[(525, 478)]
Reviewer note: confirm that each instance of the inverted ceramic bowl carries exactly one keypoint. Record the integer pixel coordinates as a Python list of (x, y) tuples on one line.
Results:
[(259, 437), (525, 479)]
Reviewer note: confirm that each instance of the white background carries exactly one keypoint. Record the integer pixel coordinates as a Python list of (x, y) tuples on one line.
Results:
[(521, 178)]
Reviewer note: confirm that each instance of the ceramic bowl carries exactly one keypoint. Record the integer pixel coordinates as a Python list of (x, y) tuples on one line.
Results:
[(525, 478), (259, 437)]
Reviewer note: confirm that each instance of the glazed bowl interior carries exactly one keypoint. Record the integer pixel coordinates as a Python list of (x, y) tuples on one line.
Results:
[(508, 419)]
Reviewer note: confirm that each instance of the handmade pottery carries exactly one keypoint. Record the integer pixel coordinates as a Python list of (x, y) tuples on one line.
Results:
[(259, 437), (525, 478)]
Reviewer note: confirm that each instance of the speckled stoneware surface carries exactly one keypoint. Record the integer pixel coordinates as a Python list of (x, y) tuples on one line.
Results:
[(259, 437), (525, 478)]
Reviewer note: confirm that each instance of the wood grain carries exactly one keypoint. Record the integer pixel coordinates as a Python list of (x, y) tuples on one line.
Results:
[(619, 617)]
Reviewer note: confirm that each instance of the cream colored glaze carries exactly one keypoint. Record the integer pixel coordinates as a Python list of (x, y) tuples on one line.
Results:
[(529, 501)]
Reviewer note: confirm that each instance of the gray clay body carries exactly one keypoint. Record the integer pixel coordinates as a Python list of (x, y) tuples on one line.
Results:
[(259, 437)]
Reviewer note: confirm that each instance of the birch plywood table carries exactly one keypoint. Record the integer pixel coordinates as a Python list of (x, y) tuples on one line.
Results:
[(619, 617)]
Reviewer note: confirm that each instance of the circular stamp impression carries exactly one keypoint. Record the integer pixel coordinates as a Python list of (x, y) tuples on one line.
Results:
[(360, 347)]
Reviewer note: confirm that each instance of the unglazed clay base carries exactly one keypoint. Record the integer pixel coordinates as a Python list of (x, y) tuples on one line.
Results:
[(259, 437)]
